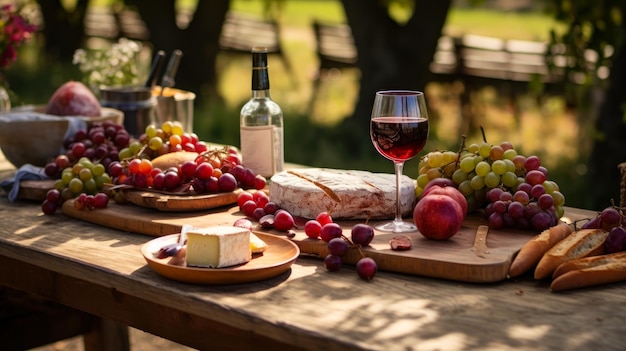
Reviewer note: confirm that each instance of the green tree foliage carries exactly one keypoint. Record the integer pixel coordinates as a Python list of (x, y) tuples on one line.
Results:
[(594, 46)]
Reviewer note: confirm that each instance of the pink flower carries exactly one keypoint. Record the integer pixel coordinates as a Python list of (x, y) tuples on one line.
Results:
[(14, 31)]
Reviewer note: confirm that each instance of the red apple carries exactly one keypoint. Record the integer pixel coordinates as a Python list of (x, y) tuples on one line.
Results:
[(438, 217), (73, 99), (442, 182), (450, 191)]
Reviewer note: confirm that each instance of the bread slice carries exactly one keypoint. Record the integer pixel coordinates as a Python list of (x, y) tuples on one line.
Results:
[(582, 243), (590, 271), (589, 262), (536, 247)]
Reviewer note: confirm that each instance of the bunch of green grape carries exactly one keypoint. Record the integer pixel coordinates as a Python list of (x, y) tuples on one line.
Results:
[(481, 167), (83, 177)]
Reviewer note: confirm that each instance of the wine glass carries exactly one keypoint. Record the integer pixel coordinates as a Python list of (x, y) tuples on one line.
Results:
[(399, 129)]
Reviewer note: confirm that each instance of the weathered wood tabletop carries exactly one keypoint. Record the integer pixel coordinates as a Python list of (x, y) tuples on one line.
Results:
[(101, 271)]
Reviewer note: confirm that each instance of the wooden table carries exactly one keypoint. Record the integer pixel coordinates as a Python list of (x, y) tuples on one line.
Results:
[(101, 271)]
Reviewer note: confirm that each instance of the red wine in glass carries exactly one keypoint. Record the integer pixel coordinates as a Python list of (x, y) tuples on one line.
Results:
[(398, 130), (399, 138)]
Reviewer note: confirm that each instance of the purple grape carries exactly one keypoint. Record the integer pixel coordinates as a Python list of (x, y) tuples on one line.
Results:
[(525, 187), (227, 182), (537, 190), (237, 171), (535, 177), (52, 170), (247, 178), (366, 268), (516, 209), (332, 262), (489, 209), (338, 247), (48, 207), (493, 195), (545, 201), (507, 220), (499, 207), (610, 218), (258, 212), (541, 221), (271, 207), (594, 223), (522, 197), (495, 221), (616, 240), (330, 231), (531, 210), (362, 234), (506, 196)]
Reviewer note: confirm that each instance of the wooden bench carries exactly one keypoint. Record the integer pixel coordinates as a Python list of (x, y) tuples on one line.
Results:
[(112, 23), (335, 50), (241, 32)]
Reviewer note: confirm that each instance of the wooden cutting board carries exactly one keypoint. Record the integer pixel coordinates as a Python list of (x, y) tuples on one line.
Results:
[(36, 190), (452, 259), (180, 203)]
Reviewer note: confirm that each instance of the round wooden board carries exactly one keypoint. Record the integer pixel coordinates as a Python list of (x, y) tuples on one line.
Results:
[(280, 254), (180, 203)]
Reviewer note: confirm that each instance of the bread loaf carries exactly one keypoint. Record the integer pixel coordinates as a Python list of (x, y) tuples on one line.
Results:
[(173, 159), (582, 243), (590, 271), (588, 262), (530, 254)]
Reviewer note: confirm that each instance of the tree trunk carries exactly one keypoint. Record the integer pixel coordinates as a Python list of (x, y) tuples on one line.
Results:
[(390, 55), (609, 149), (198, 42), (64, 30)]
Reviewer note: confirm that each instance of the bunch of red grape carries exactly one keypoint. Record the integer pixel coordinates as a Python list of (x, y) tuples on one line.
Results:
[(258, 206), (513, 189), (82, 168), (613, 220), (89, 202), (99, 143), (213, 171), (323, 227)]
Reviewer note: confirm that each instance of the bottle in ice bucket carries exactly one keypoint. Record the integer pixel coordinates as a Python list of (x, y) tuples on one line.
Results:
[(261, 124)]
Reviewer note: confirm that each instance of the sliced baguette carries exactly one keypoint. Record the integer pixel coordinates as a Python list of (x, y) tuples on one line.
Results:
[(599, 270), (582, 243), (588, 262), (530, 254)]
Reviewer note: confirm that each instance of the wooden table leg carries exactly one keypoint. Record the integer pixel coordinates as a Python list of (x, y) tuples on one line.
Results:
[(107, 335)]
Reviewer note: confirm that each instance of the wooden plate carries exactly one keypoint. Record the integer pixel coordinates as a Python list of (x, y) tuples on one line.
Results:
[(277, 258), (180, 203)]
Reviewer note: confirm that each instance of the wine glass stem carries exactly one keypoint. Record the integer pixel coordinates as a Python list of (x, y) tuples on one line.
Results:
[(399, 168)]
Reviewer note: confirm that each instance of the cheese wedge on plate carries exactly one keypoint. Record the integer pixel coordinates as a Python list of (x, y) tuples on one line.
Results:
[(218, 246)]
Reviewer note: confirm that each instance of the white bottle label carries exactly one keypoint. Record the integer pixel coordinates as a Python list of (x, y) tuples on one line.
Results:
[(257, 149)]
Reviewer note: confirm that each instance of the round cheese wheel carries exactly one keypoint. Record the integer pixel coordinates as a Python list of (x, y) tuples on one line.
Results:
[(345, 194)]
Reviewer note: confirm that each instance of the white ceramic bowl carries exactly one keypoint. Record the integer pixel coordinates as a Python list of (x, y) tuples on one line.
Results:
[(27, 135)]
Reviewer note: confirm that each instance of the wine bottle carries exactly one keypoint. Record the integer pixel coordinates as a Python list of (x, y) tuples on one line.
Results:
[(261, 123)]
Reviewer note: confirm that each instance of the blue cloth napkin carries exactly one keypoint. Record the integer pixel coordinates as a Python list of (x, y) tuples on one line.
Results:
[(26, 172)]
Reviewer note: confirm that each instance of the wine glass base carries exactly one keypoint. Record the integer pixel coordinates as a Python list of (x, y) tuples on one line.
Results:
[(396, 227)]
